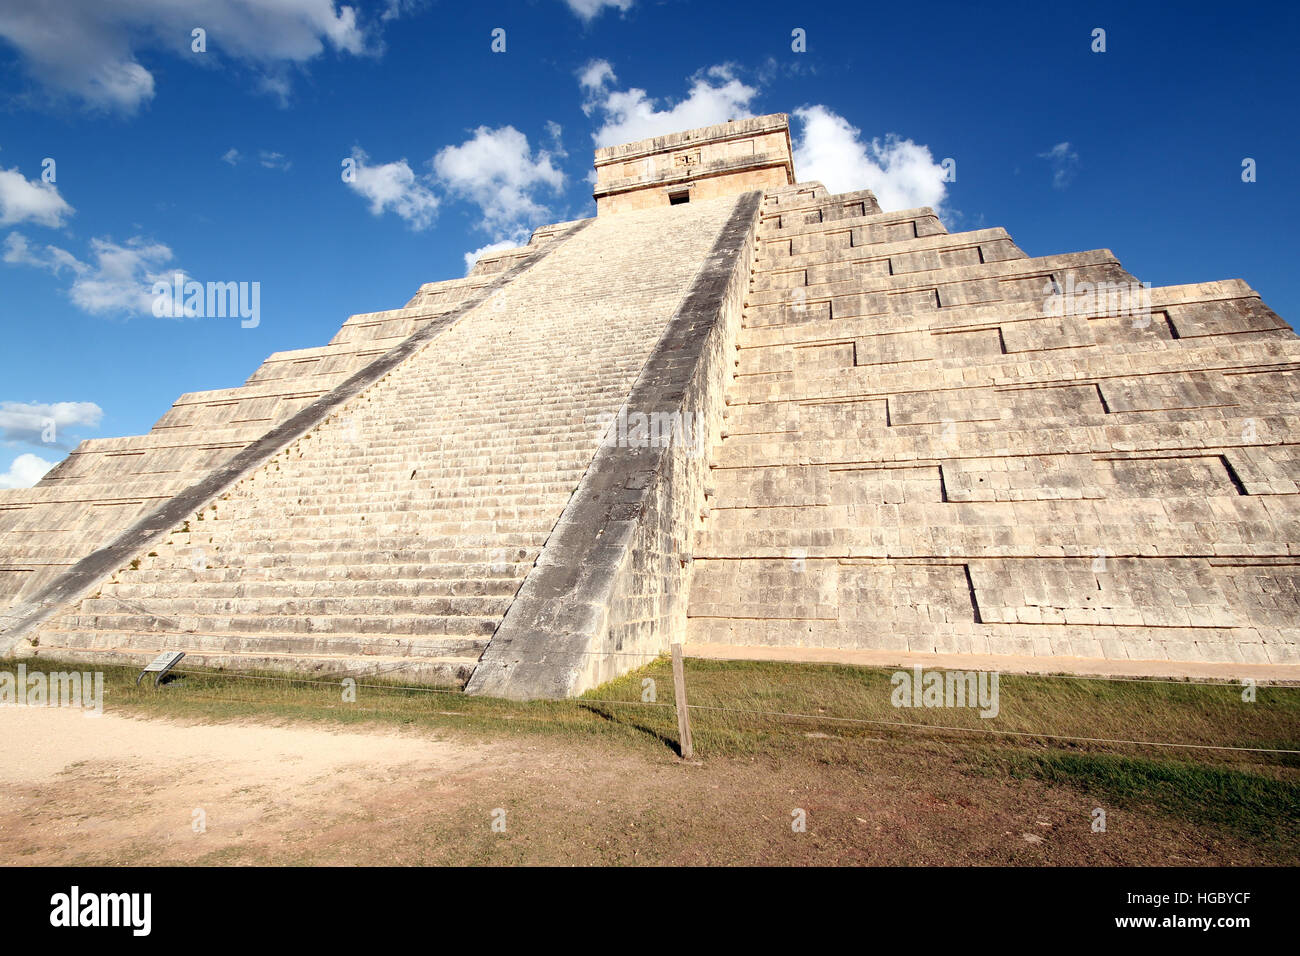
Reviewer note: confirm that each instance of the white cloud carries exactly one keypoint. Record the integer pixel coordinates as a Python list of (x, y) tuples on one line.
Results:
[(594, 77), (774, 69), (122, 276), (30, 200), (400, 8), (587, 9), (901, 173), (276, 85), (119, 277), (555, 133), (272, 160), (26, 470), (18, 251), (265, 158), (498, 170), (88, 48), (715, 96), (473, 257), (1065, 163), (44, 424), (393, 186)]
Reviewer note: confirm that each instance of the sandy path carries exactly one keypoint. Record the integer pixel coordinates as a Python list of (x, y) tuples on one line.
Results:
[(88, 789), (287, 755)]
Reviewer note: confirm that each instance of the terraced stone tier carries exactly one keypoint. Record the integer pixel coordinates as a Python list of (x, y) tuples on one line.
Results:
[(937, 444), (107, 484)]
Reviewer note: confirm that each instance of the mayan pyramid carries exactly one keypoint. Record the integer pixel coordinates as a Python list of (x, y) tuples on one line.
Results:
[(731, 410)]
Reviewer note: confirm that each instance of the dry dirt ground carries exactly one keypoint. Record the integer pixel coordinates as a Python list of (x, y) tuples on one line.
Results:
[(119, 790)]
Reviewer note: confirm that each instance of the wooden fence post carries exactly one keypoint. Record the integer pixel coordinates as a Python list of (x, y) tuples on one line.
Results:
[(683, 713)]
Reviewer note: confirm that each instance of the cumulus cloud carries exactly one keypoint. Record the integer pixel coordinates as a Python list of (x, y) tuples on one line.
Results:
[(393, 186), (1064, 162), (901, 173), (588, 9), (34, 423), (118, 278), (231, 156), (495, 169), (498, 171), (30, 200), (88, 49), (715, 96), (25, 470)]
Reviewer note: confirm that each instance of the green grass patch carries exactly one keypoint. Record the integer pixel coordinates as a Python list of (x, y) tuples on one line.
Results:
[(732, 700), (1259, 805)]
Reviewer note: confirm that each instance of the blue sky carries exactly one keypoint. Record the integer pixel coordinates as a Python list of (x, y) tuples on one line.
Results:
[(227, 164)]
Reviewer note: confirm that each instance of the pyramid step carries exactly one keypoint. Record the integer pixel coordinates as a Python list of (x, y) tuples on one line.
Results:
[(417, 527), (497, 496), (507, 474), (360, 573), (271, 642), (146, 623), (310, 532), (238, 543), (451, 672), (240, 587), (286, 605), (398, 558)]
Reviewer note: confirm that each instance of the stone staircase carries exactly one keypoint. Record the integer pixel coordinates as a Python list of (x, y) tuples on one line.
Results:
[(393, 536), (937, 444), (107, 484)]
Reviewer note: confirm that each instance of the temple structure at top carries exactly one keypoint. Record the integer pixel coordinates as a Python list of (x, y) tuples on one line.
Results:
[(695, 165)]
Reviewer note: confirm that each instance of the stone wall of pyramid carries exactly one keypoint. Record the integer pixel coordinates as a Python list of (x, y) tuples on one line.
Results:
[(937, 444)]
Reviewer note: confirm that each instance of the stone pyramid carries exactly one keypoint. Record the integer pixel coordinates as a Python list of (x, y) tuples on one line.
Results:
[(731, 409)]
